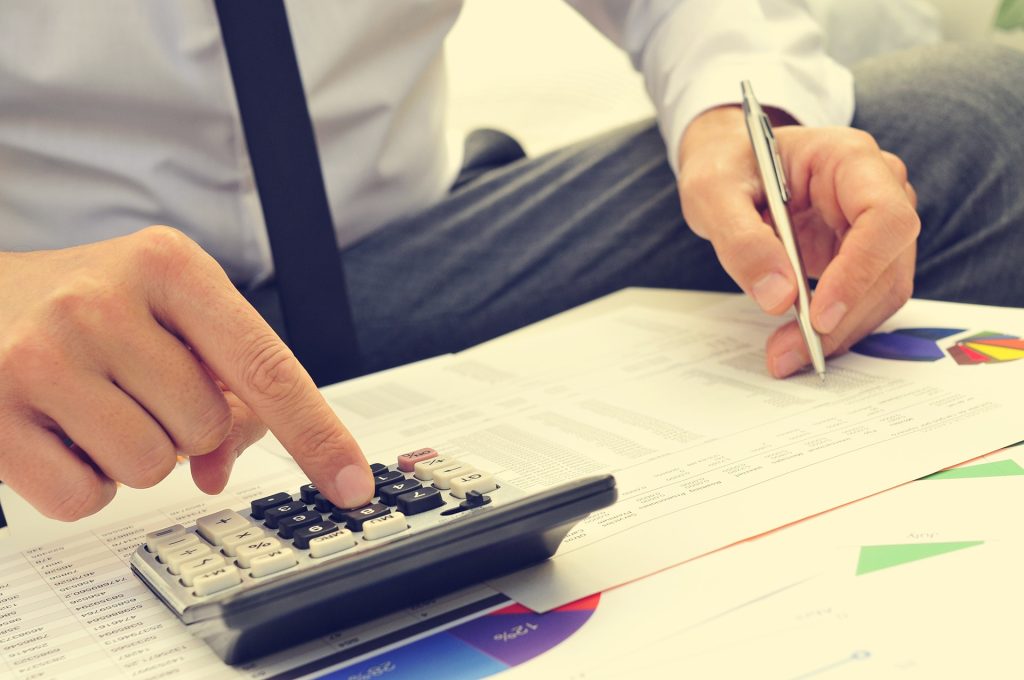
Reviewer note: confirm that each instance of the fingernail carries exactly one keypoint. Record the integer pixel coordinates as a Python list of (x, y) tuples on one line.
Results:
[(831, 317), (789, 363), (353, 486), (771, 289)]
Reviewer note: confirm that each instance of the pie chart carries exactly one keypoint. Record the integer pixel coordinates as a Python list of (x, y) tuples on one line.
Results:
[(477, 648), (923, 344)]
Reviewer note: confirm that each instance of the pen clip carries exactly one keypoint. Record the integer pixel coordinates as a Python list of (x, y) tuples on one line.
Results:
[(773, 151)]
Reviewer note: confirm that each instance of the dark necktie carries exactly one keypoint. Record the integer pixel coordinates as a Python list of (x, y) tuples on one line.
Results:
[(279, 135)]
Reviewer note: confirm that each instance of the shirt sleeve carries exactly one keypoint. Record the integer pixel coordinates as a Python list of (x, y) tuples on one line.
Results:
[(694, 53)]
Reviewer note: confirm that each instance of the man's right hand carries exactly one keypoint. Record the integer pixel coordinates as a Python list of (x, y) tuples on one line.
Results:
[(115, 357)]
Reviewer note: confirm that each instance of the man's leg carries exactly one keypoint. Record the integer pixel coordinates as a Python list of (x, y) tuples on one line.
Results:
[(524, 242), (955, 115)]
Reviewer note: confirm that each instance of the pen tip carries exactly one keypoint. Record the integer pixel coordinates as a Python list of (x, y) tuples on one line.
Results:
[(821, 374)]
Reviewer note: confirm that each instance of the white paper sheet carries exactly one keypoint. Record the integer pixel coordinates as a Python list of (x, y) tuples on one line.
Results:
[(707, 448)]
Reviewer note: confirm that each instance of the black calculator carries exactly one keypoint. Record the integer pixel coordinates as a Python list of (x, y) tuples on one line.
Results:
[(292, 566)]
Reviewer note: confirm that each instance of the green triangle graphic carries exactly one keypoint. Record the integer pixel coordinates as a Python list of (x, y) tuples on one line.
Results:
[(876, 557), (998, 468)]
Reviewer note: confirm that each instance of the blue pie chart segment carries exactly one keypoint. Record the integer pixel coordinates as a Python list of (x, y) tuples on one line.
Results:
[(908, 344)]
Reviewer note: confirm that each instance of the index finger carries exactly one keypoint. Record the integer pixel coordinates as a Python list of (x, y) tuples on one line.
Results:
[(883, 223), (192, 295)]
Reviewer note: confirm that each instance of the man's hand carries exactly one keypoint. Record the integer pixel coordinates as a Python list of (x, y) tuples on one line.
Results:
[(852, 209), (119, 355)]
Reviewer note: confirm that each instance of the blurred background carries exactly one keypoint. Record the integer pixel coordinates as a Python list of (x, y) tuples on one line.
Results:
[(506, 56)]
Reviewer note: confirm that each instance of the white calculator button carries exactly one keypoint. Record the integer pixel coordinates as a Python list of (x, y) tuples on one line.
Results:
[(175, 559), (245, 553), (384, 526), (204, 565), (474, 481), (231, 542), (443, 477), (424, 470), (217, 580), (218, 525), (273, 562), (322, 546), (176, 544), (155, 539)]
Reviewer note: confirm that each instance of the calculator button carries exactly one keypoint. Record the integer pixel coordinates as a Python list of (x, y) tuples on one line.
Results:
[(273, 562), (389, 493), (322, 546), (287, 526), (444, 476), (420, 500), (189, 553), (307, 492), (384, 526), (260, 506), (217, 580), (218, 525), (232, 541), (155, 539), (386, 478), (275, 515), (424, 470), (203, 565), (407, 461), (354, 518), (304, 535), (175, 545), (377, 468), (322, 504), (474, 481), (246, 552)]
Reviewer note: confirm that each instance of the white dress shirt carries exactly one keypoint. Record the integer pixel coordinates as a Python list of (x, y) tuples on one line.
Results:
[(117, 114)]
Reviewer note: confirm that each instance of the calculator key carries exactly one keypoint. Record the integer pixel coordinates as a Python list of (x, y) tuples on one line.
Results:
[(175, 559), (307, 492), (273, 562), (231, 542), (322, 546), (407, 461), (174, 545), (354, 519), (287, 526), (260, 506), (304, 535), (444, 476), (384, 526), (474, 481), (275, 515), (321, 503), (217, 580), (203, 565), (155, 538), (377, 468), (389, 493), (386, 478), (218, 525), (420, 500), (424, 470), (246, 552)]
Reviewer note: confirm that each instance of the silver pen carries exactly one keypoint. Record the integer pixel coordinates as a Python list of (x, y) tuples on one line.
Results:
[(776, 191)]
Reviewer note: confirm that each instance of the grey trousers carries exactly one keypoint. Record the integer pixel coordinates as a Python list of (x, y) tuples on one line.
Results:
[(537, 236)]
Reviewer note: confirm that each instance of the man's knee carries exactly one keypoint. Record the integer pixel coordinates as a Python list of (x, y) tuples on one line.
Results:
[(962, 98)]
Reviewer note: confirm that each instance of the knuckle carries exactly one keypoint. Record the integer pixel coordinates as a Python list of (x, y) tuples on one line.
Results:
[(325, 440), (210, 429), (150, 464), (271, 370), (75, 501), (163, 249), (860, 140)]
